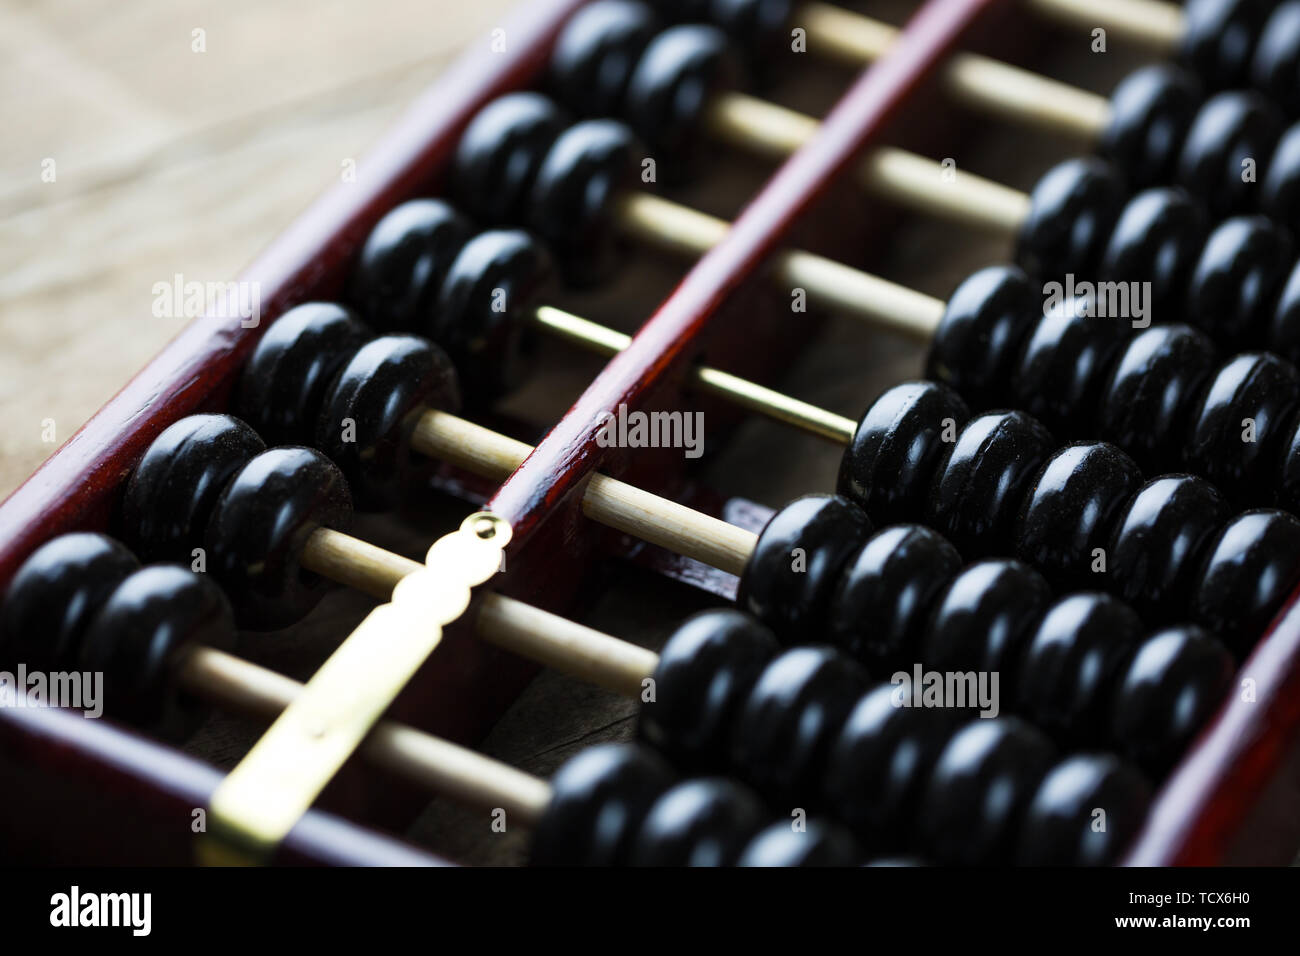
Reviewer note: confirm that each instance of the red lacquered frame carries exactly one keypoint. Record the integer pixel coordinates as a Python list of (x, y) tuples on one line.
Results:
[(1221, 805)]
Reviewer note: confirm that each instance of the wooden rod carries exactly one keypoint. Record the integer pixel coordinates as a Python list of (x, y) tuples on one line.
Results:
[(896, 174), (1152, 23), (611, 502), (538, 635), (1009, 92), (682, 231), (443, 767)]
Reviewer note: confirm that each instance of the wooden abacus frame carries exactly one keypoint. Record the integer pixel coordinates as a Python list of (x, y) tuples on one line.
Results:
[(133, 798)]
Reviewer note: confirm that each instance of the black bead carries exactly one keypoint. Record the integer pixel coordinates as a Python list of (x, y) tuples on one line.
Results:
[(595, 54), (1286, 492), (705, 672), (888, 466), (403, 262), (598, 799), (979, 486), (1071, 506), (1251, 569), (572, 206), (499, 154), (175, 485), (817, 844), (880, 762), (977, 341), (1156, 548), (886, 592), (1060, 826), (54, 596), (981, 785), (679, 73), (1280, 198), (782, 734), (702, 822), (1219, 38), (984, 620), (1144, 405), (1157, 239), (1150, 112), (1064, 364), (1175, 681), (481, 314), (1070, 664), (1072, 211), (366, 420), (1276, 63), (1284, 329), (1245, 261), (258, 529), (1254, 387), (758, 28), (285, 379), (141, 637), (796, 563), (1229, 129)]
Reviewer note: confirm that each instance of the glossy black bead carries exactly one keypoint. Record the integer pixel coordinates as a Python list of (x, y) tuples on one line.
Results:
[(979, 486), (480, 318), (1286, 492), (1069, 511), (572, 206), (888, 466), (366, 420), (796, 563), (681, 70), (1158, 542), (1250, 570), (1144, 405), (1061, 823), (1243, 266), (985, 321), (285, 379), (1237, 429), (886, 592), (1280, 190), (499, 154), (782, 734), (403, 262), (1150, 112), (595, 54), (976, 797), (141, 637), (1071, 663), (984, 620), (880, 762), (258, 529), (175, 485), (760, 29), (1284, 328), (1176, 679), (54, 596), (1275, 67), (1230, 129), (817, 844), (1065, 361), (705, 672), (598, 799), (1219, 38), (1072, 210), (1157, 239), (701, 822)]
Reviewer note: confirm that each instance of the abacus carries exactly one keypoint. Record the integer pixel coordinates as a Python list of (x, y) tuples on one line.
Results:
[(1087, 491)]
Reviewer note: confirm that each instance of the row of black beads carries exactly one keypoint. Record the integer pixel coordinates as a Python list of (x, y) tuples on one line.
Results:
[(805, 728), (997, 483)]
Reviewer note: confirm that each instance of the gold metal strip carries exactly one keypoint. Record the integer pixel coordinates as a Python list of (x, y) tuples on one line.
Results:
[(259, 802)]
